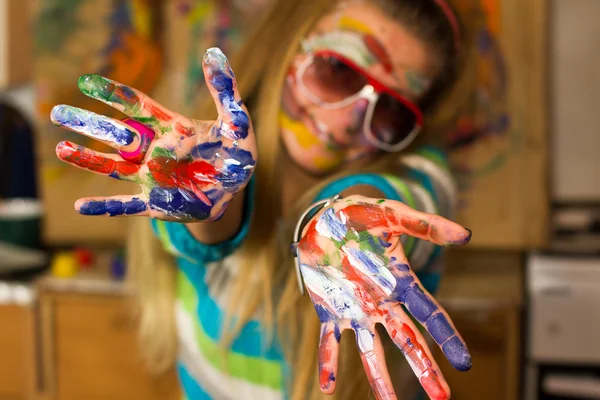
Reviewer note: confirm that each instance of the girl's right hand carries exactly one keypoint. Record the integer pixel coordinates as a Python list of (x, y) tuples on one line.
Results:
[(189, 170)]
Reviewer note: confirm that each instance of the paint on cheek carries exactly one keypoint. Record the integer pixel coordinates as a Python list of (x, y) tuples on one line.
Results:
[(304, 137), (417, 83), (328, 163)]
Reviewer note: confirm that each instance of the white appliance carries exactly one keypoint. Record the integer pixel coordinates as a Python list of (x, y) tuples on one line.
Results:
[(563, 335)]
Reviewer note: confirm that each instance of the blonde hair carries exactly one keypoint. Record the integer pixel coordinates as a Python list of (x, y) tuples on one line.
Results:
[(261, 67)]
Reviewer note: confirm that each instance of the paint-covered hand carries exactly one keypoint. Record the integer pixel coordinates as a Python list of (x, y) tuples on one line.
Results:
[(189, 170), (357, 275)]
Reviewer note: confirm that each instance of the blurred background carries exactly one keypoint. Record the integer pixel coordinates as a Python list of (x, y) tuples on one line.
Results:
[(525, 294)]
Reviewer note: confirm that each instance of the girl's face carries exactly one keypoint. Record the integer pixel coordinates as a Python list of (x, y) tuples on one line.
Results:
[(325, 123)]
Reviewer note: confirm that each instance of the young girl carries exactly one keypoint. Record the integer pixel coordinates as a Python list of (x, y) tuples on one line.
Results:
[(338, 92)]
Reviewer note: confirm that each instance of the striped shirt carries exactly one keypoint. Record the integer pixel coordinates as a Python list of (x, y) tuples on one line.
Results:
[(250, 368)]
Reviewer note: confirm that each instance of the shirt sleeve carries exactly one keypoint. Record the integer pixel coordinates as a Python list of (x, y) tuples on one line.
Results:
[(423, 182), (177, 239)]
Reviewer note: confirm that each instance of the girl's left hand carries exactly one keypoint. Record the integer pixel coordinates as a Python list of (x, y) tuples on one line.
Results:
[(357, 275)]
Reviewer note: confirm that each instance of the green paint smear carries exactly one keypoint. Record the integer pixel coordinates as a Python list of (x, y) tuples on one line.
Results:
[(100, 88), (161, 152), (416, 83), (380, 201)]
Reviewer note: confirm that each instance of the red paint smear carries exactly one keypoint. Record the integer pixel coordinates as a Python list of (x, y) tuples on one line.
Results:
[(159, 113), (429, 378), (84, 158), (309, 241), (187, 132), (379, 52), (192, 176), (415, 226), (432, 385), (366, 299), (374, 376), (325, 354), (365, 216)]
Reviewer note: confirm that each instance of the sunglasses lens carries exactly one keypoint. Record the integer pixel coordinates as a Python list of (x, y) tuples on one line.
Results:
[(392, 121), (331, 80)]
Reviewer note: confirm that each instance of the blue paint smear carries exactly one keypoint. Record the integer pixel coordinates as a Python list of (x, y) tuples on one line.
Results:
[(234, 176), (241, 155), (376, 244), (439, 328), (117, 134), (224, 85), (113, 207), (93, 208), (383, 243), (337, 333), (215, 195), (456, 352), (336, 226), (403, 283), (324, 315), (128, 92), (331, 377), (207, 151), (178, 203), (420, 306), (95, 125)]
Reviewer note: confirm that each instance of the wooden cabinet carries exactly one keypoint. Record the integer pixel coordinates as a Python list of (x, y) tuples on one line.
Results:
[(483, 293), (15, 43), (17, 364), (90, 351)]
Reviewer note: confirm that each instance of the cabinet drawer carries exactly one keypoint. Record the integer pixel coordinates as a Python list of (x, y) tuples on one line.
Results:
[(96, 352), (16, 352)]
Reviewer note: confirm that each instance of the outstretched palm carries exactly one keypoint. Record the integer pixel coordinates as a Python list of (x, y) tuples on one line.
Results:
[(357, 275), (188, 169)]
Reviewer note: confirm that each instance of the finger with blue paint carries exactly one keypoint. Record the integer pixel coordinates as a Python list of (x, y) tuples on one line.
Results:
[(427, 311), (113, 206), (234, 122), (109, 131)]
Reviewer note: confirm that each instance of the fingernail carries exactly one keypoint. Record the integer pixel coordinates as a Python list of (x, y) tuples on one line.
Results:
[(56, 114), (95, 86), (216, 54)]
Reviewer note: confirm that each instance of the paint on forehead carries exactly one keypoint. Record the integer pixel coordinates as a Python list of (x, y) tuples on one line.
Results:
[(349, 44), (374, 46)]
